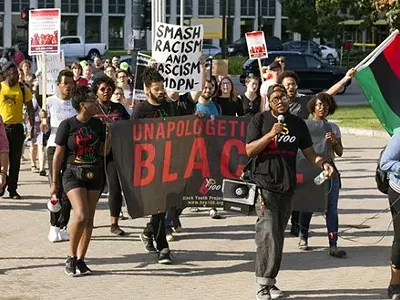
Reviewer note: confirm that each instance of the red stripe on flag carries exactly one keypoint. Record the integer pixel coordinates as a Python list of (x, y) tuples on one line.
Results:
[(299, 178), (392, 55)]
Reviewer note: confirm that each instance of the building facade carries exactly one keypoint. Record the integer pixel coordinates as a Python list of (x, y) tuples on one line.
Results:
[(110, 21)]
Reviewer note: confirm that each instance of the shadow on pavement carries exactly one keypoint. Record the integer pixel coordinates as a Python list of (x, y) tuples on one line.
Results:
[(339, 294)]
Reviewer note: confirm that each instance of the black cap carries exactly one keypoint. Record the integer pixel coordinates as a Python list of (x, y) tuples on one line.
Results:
[(276, 88), (8, 65)]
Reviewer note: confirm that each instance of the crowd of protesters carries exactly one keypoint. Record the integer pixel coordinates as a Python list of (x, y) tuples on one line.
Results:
[(92, 96)]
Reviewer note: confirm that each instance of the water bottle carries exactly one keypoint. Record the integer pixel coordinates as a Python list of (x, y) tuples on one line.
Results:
[(53, 204), (321, 177)]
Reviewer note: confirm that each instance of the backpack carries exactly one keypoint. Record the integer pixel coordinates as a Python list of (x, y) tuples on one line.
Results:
[(381, 177)]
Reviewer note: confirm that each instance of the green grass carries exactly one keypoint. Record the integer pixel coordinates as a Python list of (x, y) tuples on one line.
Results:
[(357, 117)]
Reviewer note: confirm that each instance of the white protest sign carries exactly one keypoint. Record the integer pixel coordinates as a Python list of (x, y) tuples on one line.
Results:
[(44, 31), (178, 49), (256, 44), (142, 61), (54, 64)]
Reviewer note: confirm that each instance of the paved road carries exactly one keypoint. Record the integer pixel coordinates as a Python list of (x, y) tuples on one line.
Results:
[(353, 95), (213, 259)]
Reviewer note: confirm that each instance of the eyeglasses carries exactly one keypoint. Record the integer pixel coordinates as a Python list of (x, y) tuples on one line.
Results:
[(276, 100), (103, 89)]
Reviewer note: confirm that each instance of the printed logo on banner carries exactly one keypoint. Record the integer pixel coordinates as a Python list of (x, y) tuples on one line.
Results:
[(209, 184), (178, 49)]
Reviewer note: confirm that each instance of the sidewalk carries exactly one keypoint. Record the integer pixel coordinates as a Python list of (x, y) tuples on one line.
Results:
[(213, 259)]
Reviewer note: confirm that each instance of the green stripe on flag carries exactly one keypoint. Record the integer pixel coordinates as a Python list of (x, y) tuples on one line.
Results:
[(389, 119)]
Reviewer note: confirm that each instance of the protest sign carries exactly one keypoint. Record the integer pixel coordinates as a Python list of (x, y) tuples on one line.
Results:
[(220, 67), (184, 159), (177, 50), (54, 64), (141, 63), (256, 45), (44, 31), (308, 196)]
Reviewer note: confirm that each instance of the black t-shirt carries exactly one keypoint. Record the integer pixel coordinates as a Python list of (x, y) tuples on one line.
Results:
[(250, 108), (110, 114), (299, 106), (274, 168), (82, 141), (184, 105), (229, 107), (145, 110)]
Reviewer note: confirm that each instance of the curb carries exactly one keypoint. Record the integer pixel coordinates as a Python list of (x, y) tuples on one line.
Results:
[(365, 132)]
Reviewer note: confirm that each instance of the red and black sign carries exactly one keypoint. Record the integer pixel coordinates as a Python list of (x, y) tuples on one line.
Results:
[(163, 163)]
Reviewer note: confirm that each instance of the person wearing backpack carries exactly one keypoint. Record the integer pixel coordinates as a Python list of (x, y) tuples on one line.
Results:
[(13, 96), (390, 163)]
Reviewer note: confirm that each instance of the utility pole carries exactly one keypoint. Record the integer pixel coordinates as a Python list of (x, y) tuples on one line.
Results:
[(223, 2)]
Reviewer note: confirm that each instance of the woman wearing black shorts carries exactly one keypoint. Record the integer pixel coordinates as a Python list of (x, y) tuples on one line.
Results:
[(81, 140)]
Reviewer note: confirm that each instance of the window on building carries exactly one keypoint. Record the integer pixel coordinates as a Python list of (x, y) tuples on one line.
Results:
[(116, 7), (45, 3), (116, 33), (243, 8), (206, 7), (1, 30), (18, 5), (70, 6), (168, 7), (69, 25), (268, 8), (230, 7), (252, 7), (93, 29), (188, 7), (93, 6), (2, 9)]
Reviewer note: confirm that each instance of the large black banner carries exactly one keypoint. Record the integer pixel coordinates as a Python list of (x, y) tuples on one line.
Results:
[(162, 163), (308, 196)]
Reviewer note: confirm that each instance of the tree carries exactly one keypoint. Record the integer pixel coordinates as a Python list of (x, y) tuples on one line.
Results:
[(302, 17), (391, 9)]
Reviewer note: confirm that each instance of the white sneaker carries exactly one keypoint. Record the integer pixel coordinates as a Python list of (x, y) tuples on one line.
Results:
[(63, 234), (170, 237), (54, 235)]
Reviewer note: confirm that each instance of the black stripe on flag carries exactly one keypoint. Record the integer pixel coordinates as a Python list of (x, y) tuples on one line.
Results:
[(387, 82)]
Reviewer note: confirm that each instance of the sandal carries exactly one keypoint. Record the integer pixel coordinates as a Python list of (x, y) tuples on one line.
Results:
[(335, 252)]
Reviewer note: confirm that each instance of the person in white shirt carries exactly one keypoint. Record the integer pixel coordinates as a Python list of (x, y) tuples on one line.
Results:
[(272, 74), (59, 108)]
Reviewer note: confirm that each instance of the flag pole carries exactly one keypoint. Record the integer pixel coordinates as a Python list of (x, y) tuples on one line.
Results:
[(377, 49)]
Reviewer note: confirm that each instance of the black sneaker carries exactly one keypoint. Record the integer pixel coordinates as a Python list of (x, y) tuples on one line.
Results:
[(82, 268), (148, 243), (15, 195), (394, 291), (116, 230), (165, 257), (70, 266)]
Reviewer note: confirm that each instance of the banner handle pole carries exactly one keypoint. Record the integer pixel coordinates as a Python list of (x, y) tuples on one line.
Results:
[(44, 86), (260, 67), (376, 50)]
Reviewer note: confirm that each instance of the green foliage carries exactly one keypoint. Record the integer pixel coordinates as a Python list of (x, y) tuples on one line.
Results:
[(302, 17), (235, 64)]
